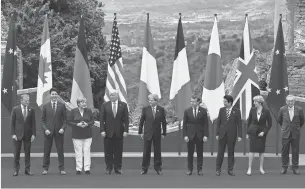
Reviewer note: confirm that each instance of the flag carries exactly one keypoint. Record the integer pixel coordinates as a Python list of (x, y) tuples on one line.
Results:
[(180, 91), (81, 86), (9, 78), (213, 89), (149, 81), (278, 85), (44, 82), (245, 85), (115, 78)]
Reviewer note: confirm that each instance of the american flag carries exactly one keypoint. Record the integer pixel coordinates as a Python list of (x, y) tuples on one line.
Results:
[(115, 80)]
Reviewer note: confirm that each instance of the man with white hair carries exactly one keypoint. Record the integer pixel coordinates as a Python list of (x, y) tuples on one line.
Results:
[(23, 130), (152, 117), (291, 119), (114, 124)]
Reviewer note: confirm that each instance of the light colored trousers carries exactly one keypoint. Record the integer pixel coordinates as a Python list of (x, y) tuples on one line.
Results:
[(82, 148)]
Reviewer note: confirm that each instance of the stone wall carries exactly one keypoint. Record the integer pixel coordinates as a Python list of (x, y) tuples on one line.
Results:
[(300, 25)]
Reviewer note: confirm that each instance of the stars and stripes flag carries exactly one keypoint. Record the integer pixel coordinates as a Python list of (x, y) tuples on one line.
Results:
[(81, 86), (9, 78), (180, 91), (115, 79), (44, 82), (213, 89), (278, 85), (246, 82)]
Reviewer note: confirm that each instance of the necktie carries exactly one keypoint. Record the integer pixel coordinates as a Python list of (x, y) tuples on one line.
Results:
[(195, 112), (114, 109), (24, 112), (228, 114), (153, 111), (54, 107)]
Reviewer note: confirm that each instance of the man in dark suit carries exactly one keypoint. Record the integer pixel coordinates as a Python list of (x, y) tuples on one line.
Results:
[(291, 119), (53, 122), (228, 128), (114, 125), (152, 117), (23, 129), (195, 132)]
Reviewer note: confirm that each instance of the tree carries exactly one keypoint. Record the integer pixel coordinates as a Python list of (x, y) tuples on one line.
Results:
[(64, 18), (4, 27)]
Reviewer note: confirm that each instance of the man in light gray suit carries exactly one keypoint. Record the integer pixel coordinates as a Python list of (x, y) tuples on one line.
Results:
[(291, 119)]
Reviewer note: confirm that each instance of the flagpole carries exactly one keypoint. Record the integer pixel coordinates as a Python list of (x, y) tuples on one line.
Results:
[(180, 123)]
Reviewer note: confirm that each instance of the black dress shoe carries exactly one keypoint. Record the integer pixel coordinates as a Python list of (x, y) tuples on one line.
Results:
[(87, 172), (189, 172), (231, 173), (159, 172), (78, 172), (144, 172), (283, 171), (199, 172), (296, 172), (217, 173), (108, 172), (16, 173), (117, 171), (28, 173)]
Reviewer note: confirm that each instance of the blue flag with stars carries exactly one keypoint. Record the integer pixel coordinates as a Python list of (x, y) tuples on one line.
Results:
[(9, 80), (278, 85)]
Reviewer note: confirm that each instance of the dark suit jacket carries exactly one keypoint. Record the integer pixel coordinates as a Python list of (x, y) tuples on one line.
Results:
[(152, 125), (110, 124), (20, 127), (256, 126), (232, 126), (53, 122), (293, 126), (198, 126), (75, 117)]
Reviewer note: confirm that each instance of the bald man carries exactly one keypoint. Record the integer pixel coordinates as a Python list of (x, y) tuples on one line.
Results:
[(114, 124), (291, 119)]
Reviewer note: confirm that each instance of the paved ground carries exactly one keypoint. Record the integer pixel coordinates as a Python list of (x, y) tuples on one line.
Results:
[(174, 175)]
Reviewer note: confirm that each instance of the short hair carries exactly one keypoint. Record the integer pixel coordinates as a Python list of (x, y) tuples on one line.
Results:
[(197, 98), (154, 96), (290, 97), (24, 96), (53, 89), (115, 91), (259, 99), (80, 99), (229, 98)]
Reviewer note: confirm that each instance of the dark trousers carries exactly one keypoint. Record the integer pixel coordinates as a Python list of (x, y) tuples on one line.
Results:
[(156, 140), (294, 149), (222, 144), (113, 148), (27, 151), (59, 143), (190, 153)]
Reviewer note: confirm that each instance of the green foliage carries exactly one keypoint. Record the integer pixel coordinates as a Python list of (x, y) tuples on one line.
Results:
[(64, 19), (4, 27)]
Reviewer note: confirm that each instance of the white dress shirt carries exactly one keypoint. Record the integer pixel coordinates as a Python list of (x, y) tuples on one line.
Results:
[(116, 103), (291, 113), (197, 109)]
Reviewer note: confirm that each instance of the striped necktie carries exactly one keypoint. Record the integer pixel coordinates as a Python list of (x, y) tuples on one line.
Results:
[(228, 114)]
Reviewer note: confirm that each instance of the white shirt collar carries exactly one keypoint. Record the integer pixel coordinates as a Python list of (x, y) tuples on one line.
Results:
[(291, 108), (22, 106), (55, 101), (116, 102)]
